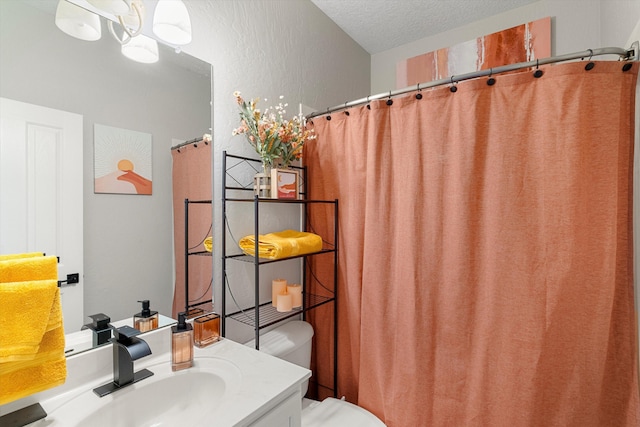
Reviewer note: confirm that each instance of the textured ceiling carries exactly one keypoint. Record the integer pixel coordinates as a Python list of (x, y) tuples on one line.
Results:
[(379, 25)]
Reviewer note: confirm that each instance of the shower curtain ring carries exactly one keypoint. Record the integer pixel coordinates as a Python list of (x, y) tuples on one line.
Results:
[(419, 95), (491, 81), (590, 64), (538, 73), (389, 101), (368, 105), (453, 87)]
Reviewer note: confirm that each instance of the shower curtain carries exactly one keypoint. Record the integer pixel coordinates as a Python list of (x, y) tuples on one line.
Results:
[(485, 251), (192, 180)]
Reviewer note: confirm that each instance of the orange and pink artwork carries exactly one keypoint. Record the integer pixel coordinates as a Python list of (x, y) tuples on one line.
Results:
[(122, 161), (523, 43), (284, 184)]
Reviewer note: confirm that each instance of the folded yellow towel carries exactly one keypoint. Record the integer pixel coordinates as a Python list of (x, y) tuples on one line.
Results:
[(25, 255), (28, 269), (29, 310), (208, 244), (33, 379), (32, 338), (55, 317), (51, 349), (282, 244)]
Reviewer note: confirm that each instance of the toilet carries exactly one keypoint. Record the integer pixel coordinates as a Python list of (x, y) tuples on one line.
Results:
[(292, 342)]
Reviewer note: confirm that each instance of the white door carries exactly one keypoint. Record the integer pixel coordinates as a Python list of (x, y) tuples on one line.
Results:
[(41, 192)]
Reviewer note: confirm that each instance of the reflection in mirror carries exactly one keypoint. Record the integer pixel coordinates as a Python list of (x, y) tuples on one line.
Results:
[(127, 239), (86, 339)]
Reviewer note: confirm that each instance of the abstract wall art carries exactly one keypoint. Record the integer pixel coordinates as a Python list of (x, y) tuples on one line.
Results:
[(522, 43), (122, 161)]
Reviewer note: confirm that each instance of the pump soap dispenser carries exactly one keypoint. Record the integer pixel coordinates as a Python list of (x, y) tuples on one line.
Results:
[(146, 320), (181, 344)]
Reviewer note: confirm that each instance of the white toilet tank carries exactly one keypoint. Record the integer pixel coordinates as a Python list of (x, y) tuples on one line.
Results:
[(290, 342)]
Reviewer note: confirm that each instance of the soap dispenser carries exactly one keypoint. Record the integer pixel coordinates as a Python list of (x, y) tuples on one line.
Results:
[(146, 320), (181, 344)]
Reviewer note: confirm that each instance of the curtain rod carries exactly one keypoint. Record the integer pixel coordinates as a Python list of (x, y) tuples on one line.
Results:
[(630, 54), (191, 141)]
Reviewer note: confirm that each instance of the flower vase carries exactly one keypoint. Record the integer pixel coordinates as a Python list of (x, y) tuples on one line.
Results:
[(262, 183)]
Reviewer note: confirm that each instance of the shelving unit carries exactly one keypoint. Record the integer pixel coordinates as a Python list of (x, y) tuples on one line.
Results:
[(189, 253), (259, 315)]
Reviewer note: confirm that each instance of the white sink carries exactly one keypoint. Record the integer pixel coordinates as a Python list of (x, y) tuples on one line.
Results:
[(166, 399), (230, 385)]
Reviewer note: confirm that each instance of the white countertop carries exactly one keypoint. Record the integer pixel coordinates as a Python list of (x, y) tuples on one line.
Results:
[(264, 380)]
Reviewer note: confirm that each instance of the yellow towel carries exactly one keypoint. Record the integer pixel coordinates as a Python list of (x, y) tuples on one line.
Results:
[(29, 309), (28, 269), (33, 379), (25, 255), (32, 338), (49, 351), (282, 244), (208, 244)]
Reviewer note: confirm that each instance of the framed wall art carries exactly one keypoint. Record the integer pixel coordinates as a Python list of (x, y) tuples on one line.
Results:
[(122, 161), (284, 184)]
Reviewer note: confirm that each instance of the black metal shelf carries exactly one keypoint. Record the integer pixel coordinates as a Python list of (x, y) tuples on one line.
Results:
[(252, 259), (278, 201), (262, 314), (188, 306), (200, 253), (270, 316)]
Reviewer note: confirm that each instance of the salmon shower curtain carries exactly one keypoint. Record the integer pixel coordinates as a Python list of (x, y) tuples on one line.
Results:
[(485, 264), (192, 180)]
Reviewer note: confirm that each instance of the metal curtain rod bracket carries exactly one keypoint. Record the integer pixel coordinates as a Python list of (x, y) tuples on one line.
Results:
[(631, 54)]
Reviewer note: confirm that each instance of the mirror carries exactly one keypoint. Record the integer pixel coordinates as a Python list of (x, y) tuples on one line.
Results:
[(127, 238), (85, 339)]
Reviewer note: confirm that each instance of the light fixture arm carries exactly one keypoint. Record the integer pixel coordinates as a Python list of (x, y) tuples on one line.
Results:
[(128, 34), (137, 8), (125, 35)]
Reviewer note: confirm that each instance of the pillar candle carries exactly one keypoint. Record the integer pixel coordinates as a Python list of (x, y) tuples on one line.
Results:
[(285, 301), (296, 294), (278, 286)]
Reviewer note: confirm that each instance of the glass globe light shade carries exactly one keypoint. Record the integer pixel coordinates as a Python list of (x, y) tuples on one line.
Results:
[(141, 49), (171, 22), (78, 22)]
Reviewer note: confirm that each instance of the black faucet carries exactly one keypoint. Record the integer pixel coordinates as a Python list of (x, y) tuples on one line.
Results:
[(126, 348), (100, 327)]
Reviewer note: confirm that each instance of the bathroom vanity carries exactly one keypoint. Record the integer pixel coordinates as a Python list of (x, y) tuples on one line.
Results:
[(229, 385)]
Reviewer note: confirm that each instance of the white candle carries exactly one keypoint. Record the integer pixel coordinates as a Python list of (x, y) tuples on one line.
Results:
[(295, 290), (278, 286), (285, 302)]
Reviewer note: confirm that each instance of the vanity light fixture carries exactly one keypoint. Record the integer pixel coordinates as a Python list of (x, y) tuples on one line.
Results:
[(141, 49), (171, 22), (78, 22)]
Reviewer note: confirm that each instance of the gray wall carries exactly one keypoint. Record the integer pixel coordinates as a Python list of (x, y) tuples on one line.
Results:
[(127, 238), (266, 49)]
